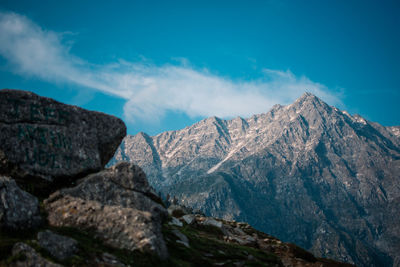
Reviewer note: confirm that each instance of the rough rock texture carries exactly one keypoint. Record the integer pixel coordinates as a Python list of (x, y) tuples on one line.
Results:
[(31, 257), (18, 209), (308, 173), (175, 221), (212, 222), (188, 218), (118, 204), (60, 247), (182, 238), (46, 141)]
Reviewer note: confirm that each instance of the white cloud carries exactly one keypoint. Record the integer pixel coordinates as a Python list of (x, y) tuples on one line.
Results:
[(149, 90)]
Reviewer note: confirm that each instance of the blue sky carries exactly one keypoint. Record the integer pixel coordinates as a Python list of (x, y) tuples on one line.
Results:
[(163, 65)]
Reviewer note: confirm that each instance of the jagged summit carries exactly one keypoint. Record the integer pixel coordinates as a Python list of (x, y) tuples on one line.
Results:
[(213, 120), (309, 101), (307, 98), (143, 135), (308, 95), (307, 105), (331, 177)]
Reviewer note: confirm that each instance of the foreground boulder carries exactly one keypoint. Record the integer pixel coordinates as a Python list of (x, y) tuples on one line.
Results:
[(18, 209), (117, 204), (60, 247), (43, 142)]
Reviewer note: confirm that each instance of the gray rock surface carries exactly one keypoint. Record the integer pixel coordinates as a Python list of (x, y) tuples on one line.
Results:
[(189, 218), (307, 173), (182, 238), (212, 222), (121, 212), (176, 222), (31, 257), (43, 141), (18, 209), (60, 247)]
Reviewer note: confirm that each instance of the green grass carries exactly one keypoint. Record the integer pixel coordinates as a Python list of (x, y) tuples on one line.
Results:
[(206, 249)]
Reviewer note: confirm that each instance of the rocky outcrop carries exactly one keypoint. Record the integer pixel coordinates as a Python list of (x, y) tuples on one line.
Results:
[(44, 142), (46, 145), (18, 209), (60, 247), (117, 204), (307, 173)]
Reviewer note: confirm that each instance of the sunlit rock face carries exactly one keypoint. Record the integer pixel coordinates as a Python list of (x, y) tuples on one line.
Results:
[(117, 204), (307, 173)]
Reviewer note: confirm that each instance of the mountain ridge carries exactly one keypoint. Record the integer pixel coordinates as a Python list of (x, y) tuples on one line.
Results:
[(106, 217), (332, 176)]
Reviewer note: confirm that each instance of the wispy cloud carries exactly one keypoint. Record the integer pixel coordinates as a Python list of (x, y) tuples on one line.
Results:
[(150, 91)]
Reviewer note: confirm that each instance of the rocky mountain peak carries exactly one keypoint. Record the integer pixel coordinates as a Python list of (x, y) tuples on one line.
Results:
[(143, 134), (213, 121), (309, 103), (308, 97), (332, 177)]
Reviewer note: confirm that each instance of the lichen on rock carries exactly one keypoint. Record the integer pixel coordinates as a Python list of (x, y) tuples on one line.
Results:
[(123, 216), (44, 142)]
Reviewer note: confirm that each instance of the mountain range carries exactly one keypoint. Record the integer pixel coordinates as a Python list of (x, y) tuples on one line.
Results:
[(307, 173), (59, 206)]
